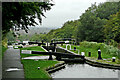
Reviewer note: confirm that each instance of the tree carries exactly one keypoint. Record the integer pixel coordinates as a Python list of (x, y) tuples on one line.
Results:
[(94, 19), (104, 10), (68, 30), (91, 26), (112, 28), (20, 15)]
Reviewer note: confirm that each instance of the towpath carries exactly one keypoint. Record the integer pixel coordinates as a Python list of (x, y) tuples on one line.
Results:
[(11, 66)]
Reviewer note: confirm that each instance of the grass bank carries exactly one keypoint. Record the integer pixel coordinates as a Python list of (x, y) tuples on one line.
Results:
[(34, 48), (107, 52), (31, 66)]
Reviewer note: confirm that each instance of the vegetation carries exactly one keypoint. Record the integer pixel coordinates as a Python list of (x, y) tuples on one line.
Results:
[(107, 52), (90, 26), (68, 30), (3, 50), (112, 28), (93, 21), (93, 25), (34, 48), (28, 11), (31, 68)]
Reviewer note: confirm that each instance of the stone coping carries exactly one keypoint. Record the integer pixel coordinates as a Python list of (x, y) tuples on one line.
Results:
[(99, 64), (67, 50), (55, 68), (44, 49)]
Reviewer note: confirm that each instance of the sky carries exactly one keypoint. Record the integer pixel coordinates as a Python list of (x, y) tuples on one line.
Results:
[(66, 10)]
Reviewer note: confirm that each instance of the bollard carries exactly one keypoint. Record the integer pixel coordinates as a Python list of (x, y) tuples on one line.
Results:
[(74, 48), (42, 41), (78, 51), (89, 54), (50, 55), (38, 68), (83, 53), (113, 59), (61, 44), (99, 55)]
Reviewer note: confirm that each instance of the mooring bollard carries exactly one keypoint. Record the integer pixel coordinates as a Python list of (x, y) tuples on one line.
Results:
[(99, 55), (38, 68), (42, 41), (89, 54), (113, 59), (83, 53), (50, 55), (74, 48), (61, 44)]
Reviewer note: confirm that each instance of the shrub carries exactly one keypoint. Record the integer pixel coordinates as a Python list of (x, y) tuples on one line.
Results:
[(107, 49)]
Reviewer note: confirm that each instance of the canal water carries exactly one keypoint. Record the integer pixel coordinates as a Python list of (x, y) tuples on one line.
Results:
[(85, 71)]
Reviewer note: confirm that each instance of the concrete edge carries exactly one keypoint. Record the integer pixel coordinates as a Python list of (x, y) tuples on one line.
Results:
[(55, 68), (98, 64), (44, 49), (68, 50)]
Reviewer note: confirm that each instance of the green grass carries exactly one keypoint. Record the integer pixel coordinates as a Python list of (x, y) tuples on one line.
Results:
[(31, 71), (30, 66), (3, 50), (94, 53), (34, 48), (109, 61)]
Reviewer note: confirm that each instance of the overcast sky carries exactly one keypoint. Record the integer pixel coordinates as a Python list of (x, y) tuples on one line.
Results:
[(65, 10)]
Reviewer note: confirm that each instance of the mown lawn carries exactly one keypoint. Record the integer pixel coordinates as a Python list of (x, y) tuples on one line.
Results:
[(31, 68), (34, 48), (94, 54)]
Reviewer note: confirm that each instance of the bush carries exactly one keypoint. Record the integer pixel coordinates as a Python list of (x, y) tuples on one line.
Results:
[(107, 49), (118, 54)]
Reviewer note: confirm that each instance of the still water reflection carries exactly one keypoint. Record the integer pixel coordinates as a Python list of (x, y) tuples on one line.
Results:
[(85, 71)]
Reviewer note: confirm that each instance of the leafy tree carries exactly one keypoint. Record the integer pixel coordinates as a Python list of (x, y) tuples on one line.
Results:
[(94, 19), (10, 36), (104, 10), (68, 30), (112, 28), (91, 26), (20, 15)]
